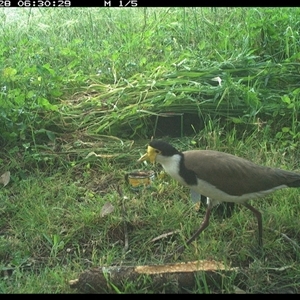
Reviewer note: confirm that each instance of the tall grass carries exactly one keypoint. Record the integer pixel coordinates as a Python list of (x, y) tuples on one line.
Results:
[(78, 85), (153, 59)]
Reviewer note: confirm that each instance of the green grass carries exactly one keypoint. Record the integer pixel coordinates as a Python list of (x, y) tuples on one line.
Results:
[(120, 67), (78, 88), (52, 229)]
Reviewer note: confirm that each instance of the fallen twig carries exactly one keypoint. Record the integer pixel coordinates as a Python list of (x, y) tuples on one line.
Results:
[(126, 244), (162, 236), (279, 269), (286, 238)]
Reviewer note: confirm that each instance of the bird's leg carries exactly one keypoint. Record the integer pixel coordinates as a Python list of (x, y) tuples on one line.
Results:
[(204, 224), (259, 221)]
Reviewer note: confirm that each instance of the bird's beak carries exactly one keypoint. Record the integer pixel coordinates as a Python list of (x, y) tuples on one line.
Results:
[(150, 155)]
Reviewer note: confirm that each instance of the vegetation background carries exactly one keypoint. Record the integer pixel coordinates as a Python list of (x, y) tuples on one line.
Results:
[(79, 90)]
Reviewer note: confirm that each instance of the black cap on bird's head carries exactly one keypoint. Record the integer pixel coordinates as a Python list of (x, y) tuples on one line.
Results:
[(165, 148), (158, 147)]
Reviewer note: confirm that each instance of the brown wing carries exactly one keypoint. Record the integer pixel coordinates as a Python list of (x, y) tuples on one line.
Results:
[(234, 175)]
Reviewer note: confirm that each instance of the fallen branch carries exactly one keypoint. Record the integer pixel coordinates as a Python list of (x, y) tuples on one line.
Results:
[(172, 278)]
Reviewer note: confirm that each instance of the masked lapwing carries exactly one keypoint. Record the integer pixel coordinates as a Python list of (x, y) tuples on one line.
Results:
[(221, 177)]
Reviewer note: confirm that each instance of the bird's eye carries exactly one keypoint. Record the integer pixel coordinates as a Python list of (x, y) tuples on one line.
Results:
[(156, 151)]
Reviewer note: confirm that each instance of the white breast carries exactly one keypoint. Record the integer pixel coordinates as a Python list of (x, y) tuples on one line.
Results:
[(171, 166)]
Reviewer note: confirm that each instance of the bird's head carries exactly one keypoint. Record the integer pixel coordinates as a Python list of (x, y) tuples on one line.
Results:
[(158, 149)]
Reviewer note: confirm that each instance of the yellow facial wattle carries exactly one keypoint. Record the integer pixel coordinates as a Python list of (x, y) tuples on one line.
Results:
[(150, 155)]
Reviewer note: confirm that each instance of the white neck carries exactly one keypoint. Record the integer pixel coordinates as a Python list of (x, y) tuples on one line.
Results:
[(171, 165)]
